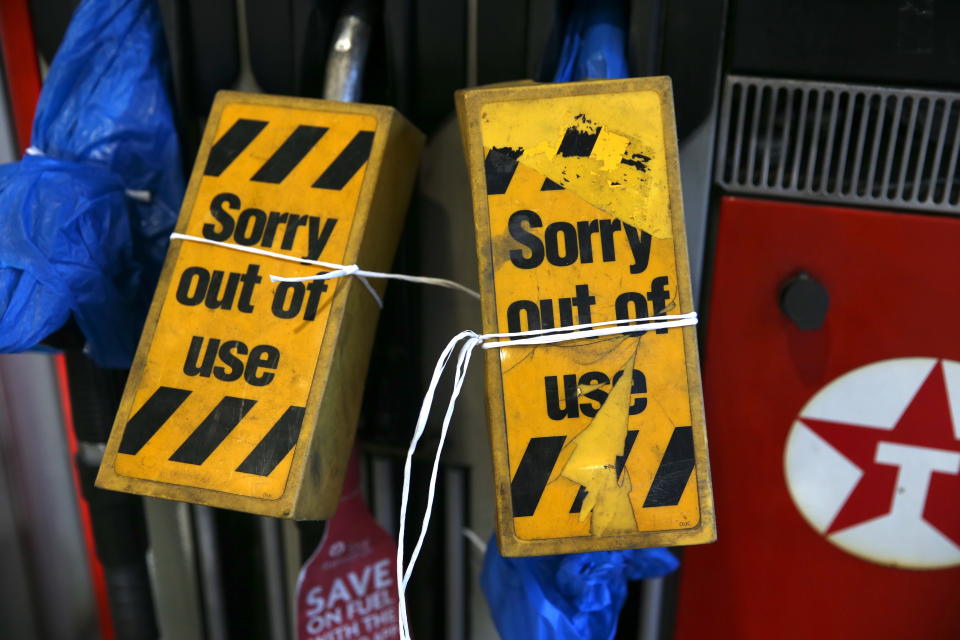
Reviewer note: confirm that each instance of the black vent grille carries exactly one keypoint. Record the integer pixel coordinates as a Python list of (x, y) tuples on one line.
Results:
[(840, 143)]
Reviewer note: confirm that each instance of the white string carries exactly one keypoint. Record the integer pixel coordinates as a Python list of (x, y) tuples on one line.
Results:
[(470, 341), (543, 336), (440, 282), (336, 270), (140, 195), (474, 539)]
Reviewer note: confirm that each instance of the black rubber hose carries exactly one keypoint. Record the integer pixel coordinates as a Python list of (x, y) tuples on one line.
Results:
[(119, 523)]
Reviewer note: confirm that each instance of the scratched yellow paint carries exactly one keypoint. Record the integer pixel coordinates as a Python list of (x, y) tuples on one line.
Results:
[(566, 164), (297, 339), (629, 124)]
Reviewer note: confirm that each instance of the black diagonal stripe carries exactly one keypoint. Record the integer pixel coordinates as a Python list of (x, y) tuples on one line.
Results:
[(275, 445), (150, 417), (231, 144), (533, 472), (578, 501), (289, 155), (674, 471), (577, 143), (499, 167), (213, 430), (621, 462), (550, 185), (347, 164)]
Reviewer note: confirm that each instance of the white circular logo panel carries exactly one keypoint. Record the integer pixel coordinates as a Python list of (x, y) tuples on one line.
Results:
[(873, 462)]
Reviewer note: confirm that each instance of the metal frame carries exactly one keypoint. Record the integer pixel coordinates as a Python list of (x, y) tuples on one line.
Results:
[(840, 143)]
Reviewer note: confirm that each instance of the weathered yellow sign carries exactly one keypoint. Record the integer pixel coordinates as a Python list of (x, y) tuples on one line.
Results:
[(598, 443), (245, 392)]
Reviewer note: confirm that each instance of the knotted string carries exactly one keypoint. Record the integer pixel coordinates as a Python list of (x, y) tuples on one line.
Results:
[(336, 270)]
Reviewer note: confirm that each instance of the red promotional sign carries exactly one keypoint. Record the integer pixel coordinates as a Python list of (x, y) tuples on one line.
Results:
[(835, 445), (347, 589)]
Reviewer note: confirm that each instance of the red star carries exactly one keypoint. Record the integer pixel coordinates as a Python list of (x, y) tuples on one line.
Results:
[(925, 423)]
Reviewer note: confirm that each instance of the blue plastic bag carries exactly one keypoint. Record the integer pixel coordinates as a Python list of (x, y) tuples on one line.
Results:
[(594, 43), (576, 596), (84, 217)]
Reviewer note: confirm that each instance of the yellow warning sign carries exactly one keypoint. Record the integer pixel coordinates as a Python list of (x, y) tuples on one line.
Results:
[(598, 443), (244, 392)]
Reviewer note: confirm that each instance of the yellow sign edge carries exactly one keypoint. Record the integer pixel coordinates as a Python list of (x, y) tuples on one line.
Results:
[(469, 103)]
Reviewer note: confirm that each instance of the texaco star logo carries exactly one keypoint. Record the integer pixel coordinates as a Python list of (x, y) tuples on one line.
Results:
[(873, 462)]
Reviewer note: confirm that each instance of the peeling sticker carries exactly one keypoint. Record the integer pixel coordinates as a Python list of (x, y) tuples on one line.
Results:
[(592, 464)]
